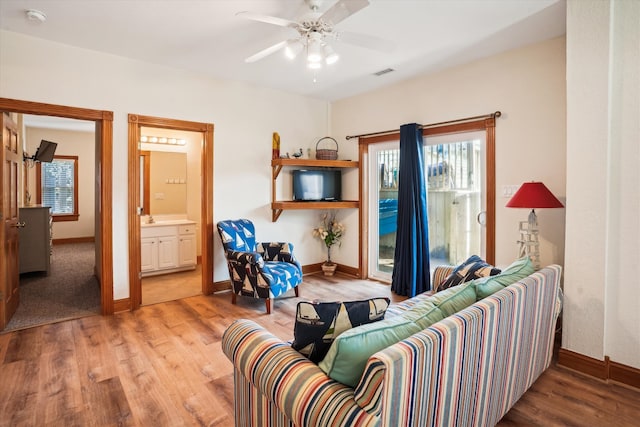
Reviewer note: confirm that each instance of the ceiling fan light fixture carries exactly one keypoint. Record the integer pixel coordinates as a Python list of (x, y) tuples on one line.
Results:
[(314, 65), (292, 48), (314, 47), (314, 52), (330, 55)]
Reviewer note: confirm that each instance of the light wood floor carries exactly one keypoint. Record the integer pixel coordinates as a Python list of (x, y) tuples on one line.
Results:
[(162, 366), (173, 286)]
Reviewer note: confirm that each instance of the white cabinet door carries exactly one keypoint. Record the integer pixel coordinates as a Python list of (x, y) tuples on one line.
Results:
[(167, 252), (187, 249), (149, 254)]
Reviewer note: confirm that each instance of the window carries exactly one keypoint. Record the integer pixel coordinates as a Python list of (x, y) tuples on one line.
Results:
[(58, 187)]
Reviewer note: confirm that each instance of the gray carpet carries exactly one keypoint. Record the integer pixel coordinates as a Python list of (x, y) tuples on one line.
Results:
[(70, 291)]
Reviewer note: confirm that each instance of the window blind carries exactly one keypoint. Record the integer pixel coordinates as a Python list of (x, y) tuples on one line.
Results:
[(58, 186)]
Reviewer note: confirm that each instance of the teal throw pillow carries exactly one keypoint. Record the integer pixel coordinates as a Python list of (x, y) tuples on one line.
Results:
[(518, 270), (348, 355)]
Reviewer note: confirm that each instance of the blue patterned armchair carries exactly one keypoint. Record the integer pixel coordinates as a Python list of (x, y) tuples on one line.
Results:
[(259, 270)]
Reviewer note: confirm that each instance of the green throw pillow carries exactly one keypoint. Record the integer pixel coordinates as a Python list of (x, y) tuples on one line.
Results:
[(452, 300), (518, 270), (348, 355)]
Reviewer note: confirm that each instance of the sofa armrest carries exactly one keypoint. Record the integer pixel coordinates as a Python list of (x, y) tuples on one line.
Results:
[(295, 385)]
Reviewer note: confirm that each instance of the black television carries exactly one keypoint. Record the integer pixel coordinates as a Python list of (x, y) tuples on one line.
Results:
[(45, 151), (317, 185)]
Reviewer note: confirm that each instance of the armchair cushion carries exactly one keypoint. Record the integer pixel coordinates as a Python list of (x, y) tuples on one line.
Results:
[(318, 324)]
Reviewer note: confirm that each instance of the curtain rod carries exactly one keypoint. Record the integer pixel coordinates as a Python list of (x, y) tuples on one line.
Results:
[(467, 119)]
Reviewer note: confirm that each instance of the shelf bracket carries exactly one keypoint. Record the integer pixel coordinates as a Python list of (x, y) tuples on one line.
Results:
[(276, 171), (275, 214)]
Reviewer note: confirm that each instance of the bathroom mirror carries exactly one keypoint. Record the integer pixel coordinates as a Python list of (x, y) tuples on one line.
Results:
[(163, 182)]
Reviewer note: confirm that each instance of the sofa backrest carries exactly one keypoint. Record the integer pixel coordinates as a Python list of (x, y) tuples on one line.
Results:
[(471, 367)]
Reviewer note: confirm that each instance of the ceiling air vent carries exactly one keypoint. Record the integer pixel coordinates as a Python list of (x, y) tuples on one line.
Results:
[(383, 72)]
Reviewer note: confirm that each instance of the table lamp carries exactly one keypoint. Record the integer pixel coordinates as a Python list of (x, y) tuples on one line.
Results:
[(534, 195)]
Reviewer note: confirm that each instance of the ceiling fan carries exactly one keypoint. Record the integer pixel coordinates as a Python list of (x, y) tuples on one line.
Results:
[(316, 30)]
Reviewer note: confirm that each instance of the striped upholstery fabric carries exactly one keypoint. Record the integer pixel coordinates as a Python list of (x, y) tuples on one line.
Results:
[(466, 370), (277, 386), (506, 340)]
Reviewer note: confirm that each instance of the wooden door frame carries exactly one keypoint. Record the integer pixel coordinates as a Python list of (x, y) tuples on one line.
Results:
[(104, 141), (206, 209)]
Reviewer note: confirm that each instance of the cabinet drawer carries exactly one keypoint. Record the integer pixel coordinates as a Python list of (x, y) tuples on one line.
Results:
[(187, 229)]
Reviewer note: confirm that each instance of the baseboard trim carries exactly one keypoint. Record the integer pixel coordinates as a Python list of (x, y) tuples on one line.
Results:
[(624, 374), (317, 268), (581, 363), (121, 305), (602, 369), (88, 239), (220, 286)]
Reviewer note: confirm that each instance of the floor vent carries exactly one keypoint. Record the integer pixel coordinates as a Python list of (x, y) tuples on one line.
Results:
[(382, 72)]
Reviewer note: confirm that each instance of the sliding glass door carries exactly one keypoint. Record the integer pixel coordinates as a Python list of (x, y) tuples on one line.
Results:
[(456, 199), (383, 207)]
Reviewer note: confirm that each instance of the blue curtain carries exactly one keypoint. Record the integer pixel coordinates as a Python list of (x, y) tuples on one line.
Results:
[(411, 259)]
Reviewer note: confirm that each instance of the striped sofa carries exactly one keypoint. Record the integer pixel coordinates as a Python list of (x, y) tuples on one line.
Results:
[(466, 370)]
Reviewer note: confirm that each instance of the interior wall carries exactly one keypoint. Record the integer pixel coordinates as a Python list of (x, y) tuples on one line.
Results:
[(70, 143), (603, 234), (527, 85), (168, 181), (244, 118)]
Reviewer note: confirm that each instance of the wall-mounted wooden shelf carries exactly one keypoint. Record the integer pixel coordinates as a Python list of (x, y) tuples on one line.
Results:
[(278, 206)]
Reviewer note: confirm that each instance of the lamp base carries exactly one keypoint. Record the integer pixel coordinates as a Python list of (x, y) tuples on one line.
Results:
[(529, 244), (533, 219)]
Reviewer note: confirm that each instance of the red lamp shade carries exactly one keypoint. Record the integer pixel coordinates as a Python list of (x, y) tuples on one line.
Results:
[(534, 195)]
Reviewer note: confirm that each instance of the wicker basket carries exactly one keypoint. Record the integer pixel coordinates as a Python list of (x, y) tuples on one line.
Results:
[(326, 153)]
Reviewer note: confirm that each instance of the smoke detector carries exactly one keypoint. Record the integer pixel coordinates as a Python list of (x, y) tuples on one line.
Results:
[(36, 15)]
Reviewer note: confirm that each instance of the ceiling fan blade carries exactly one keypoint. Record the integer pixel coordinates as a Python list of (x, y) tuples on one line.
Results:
[(268, 19), (266, 52), (367, 41), (342, 10)]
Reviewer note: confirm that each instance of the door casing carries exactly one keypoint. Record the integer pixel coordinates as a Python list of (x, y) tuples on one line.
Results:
[(103, 183), (206, 212)]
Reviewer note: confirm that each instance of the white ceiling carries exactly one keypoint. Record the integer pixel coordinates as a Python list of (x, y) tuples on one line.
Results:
[(206, 36)]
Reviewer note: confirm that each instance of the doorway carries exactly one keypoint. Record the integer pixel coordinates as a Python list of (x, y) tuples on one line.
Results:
[(377, 185), (170, 195), (137, 202), (57, 230), (103, 125), (455, 174)]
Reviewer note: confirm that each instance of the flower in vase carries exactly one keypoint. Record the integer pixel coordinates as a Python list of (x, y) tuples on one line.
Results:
[(330, 232)]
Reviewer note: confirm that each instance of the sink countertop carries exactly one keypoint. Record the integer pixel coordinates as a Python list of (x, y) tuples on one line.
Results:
[(169, 222)]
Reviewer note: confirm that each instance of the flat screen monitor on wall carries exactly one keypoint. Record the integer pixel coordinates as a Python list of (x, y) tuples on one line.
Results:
[(45, 151)]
